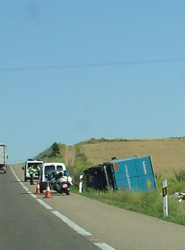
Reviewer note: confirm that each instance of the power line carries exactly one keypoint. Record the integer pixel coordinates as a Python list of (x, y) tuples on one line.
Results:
[(109, 64)]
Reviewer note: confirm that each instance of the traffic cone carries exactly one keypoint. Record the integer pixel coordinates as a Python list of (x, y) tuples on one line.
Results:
[(48, 194), (38, 188)]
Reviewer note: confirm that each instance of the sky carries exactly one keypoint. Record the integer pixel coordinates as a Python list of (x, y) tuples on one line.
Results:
[(72, 70)]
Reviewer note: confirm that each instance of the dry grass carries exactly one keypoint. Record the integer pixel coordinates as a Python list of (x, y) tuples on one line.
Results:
[(168, 154)]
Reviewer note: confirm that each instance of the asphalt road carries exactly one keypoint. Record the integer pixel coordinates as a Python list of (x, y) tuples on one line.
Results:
[(106, 226), (26, 225)]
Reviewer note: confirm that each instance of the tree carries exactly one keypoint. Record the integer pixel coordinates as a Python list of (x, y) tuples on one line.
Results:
[(55, 149)]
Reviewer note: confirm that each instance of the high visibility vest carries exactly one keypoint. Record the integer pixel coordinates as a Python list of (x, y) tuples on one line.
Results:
[(31, 171), (38, 168)]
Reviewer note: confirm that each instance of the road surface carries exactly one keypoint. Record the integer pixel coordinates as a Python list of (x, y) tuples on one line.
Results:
[(26, 225), (100, 224)]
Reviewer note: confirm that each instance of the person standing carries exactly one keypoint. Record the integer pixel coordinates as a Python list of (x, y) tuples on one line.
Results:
[(31, 172), (38, 169)]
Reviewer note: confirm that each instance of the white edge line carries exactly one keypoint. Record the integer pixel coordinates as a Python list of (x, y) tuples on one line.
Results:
[(72, 224), (44, 204), (104, 246), (33, 195), (25, 188)]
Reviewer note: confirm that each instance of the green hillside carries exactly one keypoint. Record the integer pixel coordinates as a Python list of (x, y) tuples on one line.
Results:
[(167, 154)]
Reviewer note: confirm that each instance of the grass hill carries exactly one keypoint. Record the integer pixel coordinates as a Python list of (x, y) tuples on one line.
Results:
[(167, 154)]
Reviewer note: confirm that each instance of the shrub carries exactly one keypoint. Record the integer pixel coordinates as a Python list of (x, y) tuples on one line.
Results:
[(180, 175)]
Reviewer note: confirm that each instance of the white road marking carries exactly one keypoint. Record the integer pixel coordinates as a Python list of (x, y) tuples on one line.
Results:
[(25, 188), (33, 195), (44, 204), (72, 224), (104, 246)]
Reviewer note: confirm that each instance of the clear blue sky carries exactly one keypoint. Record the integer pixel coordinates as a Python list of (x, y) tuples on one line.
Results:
[(74, 70)]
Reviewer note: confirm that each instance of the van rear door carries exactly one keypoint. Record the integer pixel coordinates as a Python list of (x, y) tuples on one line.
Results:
[(49, 170)]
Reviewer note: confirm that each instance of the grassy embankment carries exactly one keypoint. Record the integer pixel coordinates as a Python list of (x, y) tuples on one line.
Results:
[(149, 203)]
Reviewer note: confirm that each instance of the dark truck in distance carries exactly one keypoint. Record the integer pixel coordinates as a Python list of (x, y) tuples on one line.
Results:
[(132, 173)]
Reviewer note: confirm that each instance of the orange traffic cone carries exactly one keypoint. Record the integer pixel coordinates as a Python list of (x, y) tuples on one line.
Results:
[(38, 188), (48, 194)]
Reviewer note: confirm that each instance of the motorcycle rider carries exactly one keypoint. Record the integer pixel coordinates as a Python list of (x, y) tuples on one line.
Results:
[(53, 177), (60, 174), (60, 181)]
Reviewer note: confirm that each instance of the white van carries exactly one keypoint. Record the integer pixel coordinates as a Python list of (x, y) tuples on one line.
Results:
[(34, 163), (47, 169)]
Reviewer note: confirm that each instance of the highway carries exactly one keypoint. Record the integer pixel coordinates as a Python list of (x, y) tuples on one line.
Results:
[(26, 225), (31, 221)]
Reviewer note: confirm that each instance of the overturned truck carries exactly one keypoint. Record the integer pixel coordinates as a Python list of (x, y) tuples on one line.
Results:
[(132, 173)]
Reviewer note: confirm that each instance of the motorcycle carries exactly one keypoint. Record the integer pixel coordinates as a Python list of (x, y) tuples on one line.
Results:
[(60, 182)]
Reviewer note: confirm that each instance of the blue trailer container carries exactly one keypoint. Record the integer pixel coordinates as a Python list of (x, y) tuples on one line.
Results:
[(133, 173)]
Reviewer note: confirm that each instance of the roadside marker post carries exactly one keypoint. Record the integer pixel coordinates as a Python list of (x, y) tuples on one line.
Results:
[(165, 199), (80, 183)]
